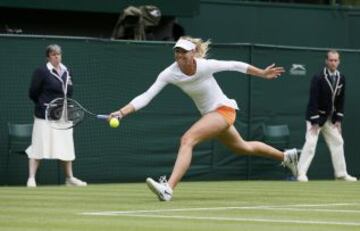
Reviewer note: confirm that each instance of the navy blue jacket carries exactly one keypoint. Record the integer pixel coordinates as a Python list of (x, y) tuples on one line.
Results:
[(326, 99), (47, 85)]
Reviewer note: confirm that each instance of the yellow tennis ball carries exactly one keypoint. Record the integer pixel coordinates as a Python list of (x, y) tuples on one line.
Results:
[(114, 122)]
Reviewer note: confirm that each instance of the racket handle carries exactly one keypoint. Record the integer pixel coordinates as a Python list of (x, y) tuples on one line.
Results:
[(102, 117)]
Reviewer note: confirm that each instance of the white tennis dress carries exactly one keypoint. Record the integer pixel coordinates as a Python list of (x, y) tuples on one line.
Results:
[(201, 87)]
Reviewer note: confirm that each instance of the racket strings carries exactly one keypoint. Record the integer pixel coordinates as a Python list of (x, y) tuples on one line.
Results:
[(64, 114)]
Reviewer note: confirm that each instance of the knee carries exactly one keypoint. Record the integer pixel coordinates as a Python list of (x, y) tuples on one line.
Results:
[(187, 140)]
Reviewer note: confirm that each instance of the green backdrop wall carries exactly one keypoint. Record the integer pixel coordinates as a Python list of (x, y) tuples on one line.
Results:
[(273, 23), (108, 74)]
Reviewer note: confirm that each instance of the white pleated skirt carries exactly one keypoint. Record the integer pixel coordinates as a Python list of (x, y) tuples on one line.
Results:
[(49, 143)]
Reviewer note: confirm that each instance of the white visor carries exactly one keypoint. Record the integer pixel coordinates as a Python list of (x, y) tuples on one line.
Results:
[(185, 44)]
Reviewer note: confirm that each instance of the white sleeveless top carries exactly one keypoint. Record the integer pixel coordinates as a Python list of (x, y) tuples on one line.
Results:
[(201, 87)]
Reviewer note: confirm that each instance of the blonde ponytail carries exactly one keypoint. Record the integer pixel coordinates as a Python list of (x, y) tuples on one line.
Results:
[(201, 47)]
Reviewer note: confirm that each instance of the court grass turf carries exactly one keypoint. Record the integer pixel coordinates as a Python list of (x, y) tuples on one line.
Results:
[(219, 205)]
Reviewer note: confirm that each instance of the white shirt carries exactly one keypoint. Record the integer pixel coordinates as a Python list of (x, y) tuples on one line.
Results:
[(62, 68), (201, 87)]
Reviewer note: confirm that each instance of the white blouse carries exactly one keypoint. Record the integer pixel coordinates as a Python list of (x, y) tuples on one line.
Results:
[(201, 87)]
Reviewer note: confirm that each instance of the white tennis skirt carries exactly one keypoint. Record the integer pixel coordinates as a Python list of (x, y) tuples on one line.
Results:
[(49, 143)]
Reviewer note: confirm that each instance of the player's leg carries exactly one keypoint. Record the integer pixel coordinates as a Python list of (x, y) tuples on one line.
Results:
[(233, 140), (209, 126), (335, 142), (308, 152)]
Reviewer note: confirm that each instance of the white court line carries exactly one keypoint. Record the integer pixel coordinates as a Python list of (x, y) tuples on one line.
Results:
[(260, 207), (244, 219), (295, 207), (316, 210)]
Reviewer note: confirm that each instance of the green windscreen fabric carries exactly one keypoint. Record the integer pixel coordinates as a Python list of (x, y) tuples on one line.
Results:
[(108, 74), (229, 21), (284, 102)]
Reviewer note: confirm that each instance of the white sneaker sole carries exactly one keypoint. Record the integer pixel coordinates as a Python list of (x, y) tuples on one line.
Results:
[(31, 185), (75, 185), (152, 186), (347, 180), (300, 179), (294, 164)]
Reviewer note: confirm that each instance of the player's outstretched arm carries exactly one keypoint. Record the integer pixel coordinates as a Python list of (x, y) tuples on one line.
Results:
[(270, 72)]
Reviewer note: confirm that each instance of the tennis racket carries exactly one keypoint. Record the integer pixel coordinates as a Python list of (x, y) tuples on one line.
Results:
[(66, 113)]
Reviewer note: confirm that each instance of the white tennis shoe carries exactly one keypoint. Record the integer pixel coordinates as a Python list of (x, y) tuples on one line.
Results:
[(347, 177), (31, 183), (291, 160), (302, 178), (161, 188), (73, 181)]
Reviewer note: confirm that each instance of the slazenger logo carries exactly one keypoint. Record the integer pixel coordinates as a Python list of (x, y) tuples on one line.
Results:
[(298, 69)]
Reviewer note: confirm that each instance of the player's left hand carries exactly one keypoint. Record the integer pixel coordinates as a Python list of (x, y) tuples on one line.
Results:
[(116, 114), (273, 72)]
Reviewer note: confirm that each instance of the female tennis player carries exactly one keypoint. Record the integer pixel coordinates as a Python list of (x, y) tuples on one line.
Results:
[(194, 75)]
